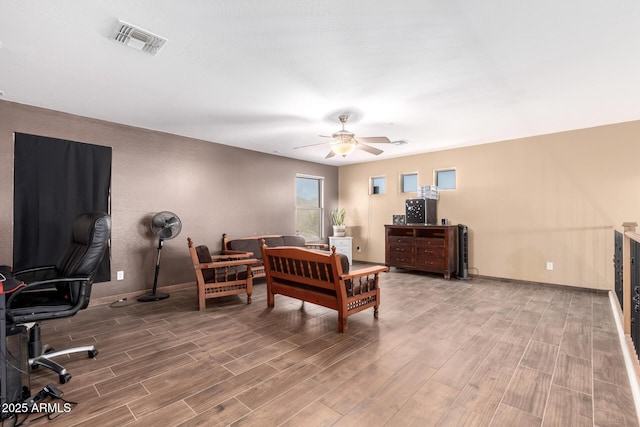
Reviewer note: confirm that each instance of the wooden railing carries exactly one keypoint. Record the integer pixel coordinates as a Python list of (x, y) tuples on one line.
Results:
[(630, 302), (626, 293)]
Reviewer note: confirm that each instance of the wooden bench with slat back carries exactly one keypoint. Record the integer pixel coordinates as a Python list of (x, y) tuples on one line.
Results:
[(317, 277)]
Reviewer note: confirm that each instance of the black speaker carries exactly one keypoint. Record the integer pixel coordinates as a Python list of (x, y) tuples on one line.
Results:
[(463, 252), (421, 211)]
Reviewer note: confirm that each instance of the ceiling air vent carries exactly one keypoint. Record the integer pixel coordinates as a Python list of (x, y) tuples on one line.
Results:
[(138, 38)]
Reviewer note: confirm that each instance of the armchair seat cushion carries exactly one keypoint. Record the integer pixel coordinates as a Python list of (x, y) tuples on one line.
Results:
[(238, 273), (216, 275), (359, 287)]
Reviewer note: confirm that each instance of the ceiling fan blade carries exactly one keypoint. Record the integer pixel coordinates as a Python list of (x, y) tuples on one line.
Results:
[(369, 149), (325, 136), (311, 145), (374, 139), (330, 155)]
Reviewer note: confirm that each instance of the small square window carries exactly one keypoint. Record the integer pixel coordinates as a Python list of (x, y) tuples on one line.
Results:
[(378, 185), (409, 183), (445, 179)]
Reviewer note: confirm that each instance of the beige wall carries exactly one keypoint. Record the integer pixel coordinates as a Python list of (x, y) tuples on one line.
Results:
[(554, 197), (213, 188)]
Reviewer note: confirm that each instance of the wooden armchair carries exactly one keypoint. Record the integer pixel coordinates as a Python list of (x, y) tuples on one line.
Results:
[(221, 275)]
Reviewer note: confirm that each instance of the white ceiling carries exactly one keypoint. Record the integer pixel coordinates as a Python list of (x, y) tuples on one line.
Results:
[(270, 75)]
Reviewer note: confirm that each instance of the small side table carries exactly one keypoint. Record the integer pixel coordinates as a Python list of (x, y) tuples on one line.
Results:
[(344, 245)]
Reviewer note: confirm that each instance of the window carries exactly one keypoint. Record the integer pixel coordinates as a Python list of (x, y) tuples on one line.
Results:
[(378, 184), (409, 183), (309, 204), (445, 179)]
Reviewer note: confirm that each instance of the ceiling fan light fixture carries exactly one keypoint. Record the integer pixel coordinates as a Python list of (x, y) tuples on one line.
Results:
[(343, 148)]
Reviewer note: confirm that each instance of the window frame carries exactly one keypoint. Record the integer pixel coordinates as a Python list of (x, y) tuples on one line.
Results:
[(372, 181), (320, 208), (402, 183), (455, 175)]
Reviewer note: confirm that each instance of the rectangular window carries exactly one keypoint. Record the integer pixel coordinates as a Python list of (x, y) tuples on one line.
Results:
[(309, 205), (409, 183), (378, 185), (445, 179)]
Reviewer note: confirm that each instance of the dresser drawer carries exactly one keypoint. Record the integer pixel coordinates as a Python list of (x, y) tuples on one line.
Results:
[(433, 264), (341, 244), (429, 242), (429, 252), (405, 240), (401, 249), (401, 259)]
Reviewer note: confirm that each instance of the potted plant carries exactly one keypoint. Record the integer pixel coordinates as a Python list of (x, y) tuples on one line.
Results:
[(337, 217)]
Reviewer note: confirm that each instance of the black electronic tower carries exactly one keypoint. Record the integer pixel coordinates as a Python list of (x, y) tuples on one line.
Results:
[(463, 252)]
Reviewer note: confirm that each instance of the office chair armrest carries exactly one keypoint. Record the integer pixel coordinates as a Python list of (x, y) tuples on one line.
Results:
[(32, 269), (35, 273), (48, 283)]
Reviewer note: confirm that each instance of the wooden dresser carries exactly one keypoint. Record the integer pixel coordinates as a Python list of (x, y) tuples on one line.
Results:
[(431, 248)]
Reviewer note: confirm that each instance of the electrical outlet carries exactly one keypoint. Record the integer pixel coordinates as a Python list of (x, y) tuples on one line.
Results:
[(549, 266), (358, 249), (120, 275)]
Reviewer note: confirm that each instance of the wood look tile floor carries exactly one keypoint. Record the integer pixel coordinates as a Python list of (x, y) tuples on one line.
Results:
[(443, 353)]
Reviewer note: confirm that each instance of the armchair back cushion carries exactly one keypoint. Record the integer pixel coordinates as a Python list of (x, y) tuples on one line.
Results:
[(246, 245), (204, 256), (298, 241)]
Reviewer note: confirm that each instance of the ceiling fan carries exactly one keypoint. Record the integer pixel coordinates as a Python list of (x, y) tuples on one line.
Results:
[(345, 142)]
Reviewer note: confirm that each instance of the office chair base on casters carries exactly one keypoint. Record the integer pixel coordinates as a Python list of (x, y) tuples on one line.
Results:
[(63, 376), (153, 297), (41, 355)]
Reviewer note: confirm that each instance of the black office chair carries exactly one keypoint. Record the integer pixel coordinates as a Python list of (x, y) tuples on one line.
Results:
[(62, 290)]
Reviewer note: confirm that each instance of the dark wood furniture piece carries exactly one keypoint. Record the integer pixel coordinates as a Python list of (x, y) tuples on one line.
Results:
[(221, 275), (251, 246), (430, 248), (318, 278)]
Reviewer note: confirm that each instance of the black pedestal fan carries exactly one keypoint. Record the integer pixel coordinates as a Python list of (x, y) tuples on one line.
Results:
[(166, 225)]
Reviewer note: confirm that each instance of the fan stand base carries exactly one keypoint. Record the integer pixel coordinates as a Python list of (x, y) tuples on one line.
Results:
[(153, 297)]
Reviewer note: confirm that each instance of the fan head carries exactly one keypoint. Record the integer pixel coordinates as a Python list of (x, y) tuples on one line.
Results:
[(166, 225), (344, 142)]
